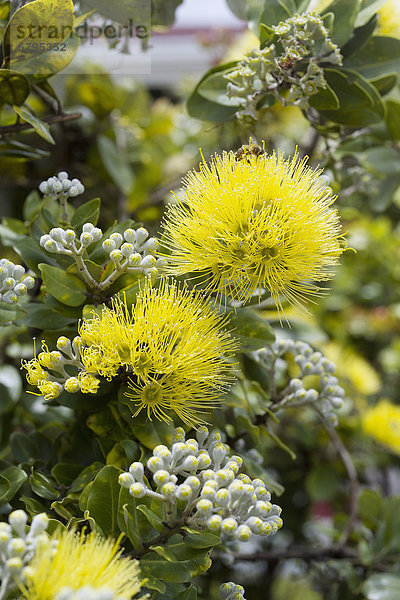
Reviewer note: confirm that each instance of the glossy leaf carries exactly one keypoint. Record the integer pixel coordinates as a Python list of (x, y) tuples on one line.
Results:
[(251, 330), (116, 164), (39, 126), (14, 87), (102, 499), (86, 213), (345, 12), (66, 288), (380, 56)]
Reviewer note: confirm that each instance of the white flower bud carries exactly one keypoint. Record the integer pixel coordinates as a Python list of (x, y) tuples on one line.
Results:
[(179, 435), (204, 460), (243, 533), (229, 525), (44, 187), (56, 186), (86, 239), (116, 256), (9, 283), (18, 272), (183, 492), (73, 191), (130, 235), (117, 239), (155, 463), (64, 344), (127, 249), (29, 282), (191, 446), (190, 463), (18, 520), (162, 451), (62, 175), (160, 477), (137, 490), (214, 523), (151, 245), (87, 227), (208, 492), (141, 235), (208, 475), (57, 234), (51, 246), (134, 259), (202, 434), (193, 482), (14, 565), (96, 234), (109, 245), (148, 262), (223, 497), (236, 489), (204, 507), (39, 524), (20, 289), (16, 547), (137, 471), (71, 385), (224, 476), (66, 185), (255, 524), (168, 489), (262, 492), (10, 297), (69, 237), (125, 480)]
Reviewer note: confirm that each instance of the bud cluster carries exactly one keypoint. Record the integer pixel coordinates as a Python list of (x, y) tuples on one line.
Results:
[(52, 385), (134, 251), (14, 282), (17, 547), (86, 593), (231, 591), (289, 68), (61, 187), (199, 479), (329, 396)]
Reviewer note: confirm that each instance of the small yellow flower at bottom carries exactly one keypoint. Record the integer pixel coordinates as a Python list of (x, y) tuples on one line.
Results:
[(79, 561), (382, 422)]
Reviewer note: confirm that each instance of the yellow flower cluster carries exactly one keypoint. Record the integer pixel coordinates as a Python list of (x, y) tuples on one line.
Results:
[(389, 19), (172, 345), (382, 422), (79, 561), (250, 222)]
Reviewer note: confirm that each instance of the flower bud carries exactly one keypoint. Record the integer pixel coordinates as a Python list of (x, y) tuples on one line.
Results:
[(57, 234), (117, 239), (86, 239), (141, 235), (214, 523), (137, 490), (222, 497), (202, 434), (16, 547), (72, 385), (18, 272), (148, 262), (44, 187), (229, 525), (9, 283), (116, 256), (160, 477), (255, 524), (69, 237), (108, 245), (168, 489), (130, 236), (87, 227), (184, 492), (179, 435), (39, 524), (96, 234), (127, 249), (125, 480), (204, 507), (190, 463), (29, 282), (62, 175), (73, 191), (18, 520), (243, 533), (137, 471), (193, 482), (155, 463), (134, 259), (14, 565), (10, 297), (20, 289)]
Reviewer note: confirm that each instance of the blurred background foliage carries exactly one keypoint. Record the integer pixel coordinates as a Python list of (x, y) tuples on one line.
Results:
[(131, 146)]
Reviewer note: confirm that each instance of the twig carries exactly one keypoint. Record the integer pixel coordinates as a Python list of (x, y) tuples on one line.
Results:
[(352, 475), (17, 127), (160, 539)]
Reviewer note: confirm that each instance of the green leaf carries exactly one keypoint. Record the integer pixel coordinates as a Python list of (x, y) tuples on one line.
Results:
[(371, 508), (32, 254), (252, 331), (382, 586), (189, 594), (380, 56), (393, 118), (66, 288), (39, 126), (14, 87), (203, 539), (86, 213), (4, 488), (44, 486), (213, 88), (360, 103), (201, 108), (386, 83), (276, 11), (346, 12), (16, 477), (152, 517), (325, 99), (132, 522), (9, 313), (42, 317), (102, 499), (23, 447), (116, 164)]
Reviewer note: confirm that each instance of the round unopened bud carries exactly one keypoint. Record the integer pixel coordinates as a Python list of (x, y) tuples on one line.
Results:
[(125, 480), (72, 385), (130, 236), (244, 478), (51, 246), (73, 191), (204, 507), (18, 520), (134, 259), (69, 237), (39, 524), (262, 493), (62, 175), (16, 547), (243, 533), (66, 185), (160, 477), (193, 482), (168, 489), (229, 525), (86, 239), (202, 434), (96, 234), (191, 446), (184, 492), (18, 272), (255, 524), (148, 262), (127, 249), (10, 297), (14, 565), (29, 282), (223, 497), (208, 475), (224, 476), (162, 451), (236, 489), (154, 464), (179, 435), (214, 523), (87, 227), (208, 492), (109, 245), (117, 239), (44, 187), (57, 234), (141, 235), (20, 289), (63, 343), (116, 256), (137, 490), (137, 470), (151, 245), (9, 283), (190, 463), (204, 460), (262, 509)]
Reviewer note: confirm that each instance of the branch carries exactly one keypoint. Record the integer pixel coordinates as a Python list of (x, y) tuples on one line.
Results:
[(49, 120), (160, 539)]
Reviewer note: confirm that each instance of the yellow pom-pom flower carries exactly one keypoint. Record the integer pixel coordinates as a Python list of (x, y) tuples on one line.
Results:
[(71, 560), (171, 345), (382, 422), (389, 19), (249, 222)]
